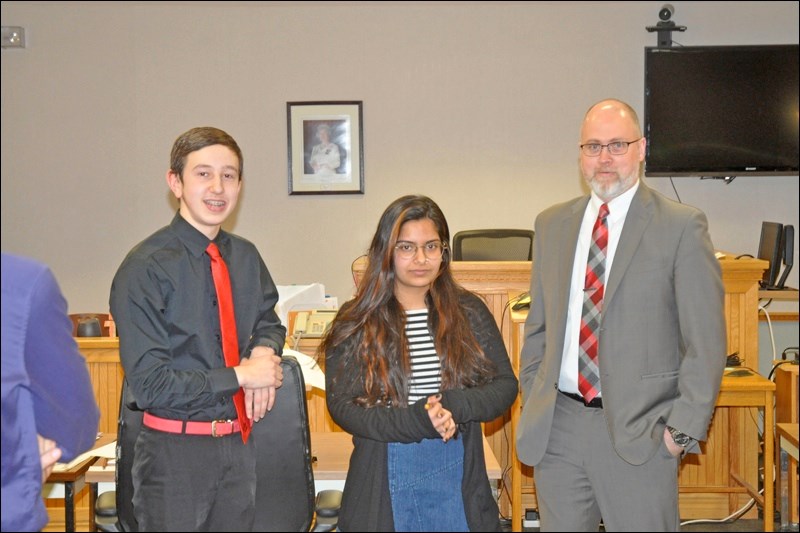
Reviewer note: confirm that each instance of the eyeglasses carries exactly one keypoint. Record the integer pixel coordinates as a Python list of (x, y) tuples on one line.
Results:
[(615, 148), (431, 249)]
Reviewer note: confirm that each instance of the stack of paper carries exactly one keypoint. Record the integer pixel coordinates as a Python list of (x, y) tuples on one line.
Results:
[(109, 451)]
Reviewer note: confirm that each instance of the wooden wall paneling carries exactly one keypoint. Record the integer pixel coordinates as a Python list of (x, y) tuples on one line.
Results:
[(105, 371)]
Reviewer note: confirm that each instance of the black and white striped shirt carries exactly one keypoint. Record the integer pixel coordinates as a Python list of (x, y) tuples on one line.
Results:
[(426, 369)]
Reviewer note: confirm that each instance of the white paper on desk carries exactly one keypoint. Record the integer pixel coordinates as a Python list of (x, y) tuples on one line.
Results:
[(312, 373), (109, 451)]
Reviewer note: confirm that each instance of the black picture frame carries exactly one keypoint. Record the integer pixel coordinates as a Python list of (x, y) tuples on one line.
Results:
[(326, 147)]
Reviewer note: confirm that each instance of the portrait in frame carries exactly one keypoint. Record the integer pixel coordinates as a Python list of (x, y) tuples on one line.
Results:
[(326, 147)]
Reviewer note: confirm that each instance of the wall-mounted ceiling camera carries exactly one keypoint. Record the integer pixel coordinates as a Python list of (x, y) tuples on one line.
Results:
[(666, 12), (665, 26)]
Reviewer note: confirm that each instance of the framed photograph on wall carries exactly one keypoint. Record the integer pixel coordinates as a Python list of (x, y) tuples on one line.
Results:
[(326, 147)]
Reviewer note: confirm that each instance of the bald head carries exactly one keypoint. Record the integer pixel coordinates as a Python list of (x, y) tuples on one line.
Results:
[(606, 110)]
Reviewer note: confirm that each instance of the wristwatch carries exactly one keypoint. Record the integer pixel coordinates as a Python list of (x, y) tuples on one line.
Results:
[(681, 439)]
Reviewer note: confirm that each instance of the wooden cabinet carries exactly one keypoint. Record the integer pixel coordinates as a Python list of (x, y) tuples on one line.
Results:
[(105, 372), (786, 396), (733, 441), (786, 402), (523, 490)]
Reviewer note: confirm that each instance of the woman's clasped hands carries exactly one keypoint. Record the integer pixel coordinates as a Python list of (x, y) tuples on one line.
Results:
[(441, 418)]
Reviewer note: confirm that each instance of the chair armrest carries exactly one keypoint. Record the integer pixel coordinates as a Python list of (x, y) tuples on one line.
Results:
[(328, 503)]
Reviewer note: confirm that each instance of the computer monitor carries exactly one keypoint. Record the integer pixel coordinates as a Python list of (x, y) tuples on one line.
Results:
[(769, 249), (787, 247)]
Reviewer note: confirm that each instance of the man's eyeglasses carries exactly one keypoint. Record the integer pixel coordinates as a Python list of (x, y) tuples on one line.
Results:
[(615, 148), (431, 249)]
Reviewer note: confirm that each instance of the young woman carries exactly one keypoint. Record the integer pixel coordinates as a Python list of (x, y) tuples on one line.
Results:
[(414, 364)]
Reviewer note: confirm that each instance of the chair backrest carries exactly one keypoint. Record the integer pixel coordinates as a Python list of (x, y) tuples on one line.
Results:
[(78, 318), (493, 245), (285, 477), (128, 426)]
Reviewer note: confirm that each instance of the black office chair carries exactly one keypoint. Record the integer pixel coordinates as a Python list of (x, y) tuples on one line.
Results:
[(493, 245), (114, 509), (285, 498)]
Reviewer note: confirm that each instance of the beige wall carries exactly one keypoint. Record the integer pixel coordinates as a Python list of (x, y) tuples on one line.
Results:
[(476, 105)]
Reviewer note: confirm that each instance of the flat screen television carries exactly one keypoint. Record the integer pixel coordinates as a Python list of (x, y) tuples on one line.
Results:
[(721, 111)]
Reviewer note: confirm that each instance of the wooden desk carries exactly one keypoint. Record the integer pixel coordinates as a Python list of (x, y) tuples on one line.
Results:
[(787, 445), (786, 391), (786, 405), (105, 473), (787, 440), (73, 481), (744, 388), (491, 280), (786, 295)]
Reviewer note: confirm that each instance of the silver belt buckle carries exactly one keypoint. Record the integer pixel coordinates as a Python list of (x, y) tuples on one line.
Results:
[(214, 427)]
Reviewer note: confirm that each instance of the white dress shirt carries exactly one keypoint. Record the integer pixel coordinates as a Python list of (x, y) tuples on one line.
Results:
[(617, 211)]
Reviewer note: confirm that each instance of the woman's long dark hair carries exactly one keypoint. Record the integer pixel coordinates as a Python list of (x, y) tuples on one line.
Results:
[(373, 324)]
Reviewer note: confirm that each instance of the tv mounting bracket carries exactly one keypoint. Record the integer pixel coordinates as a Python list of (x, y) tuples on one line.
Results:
[(665, 29)]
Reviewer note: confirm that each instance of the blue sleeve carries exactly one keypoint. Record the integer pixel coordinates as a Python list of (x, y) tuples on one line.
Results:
[(64, 403)]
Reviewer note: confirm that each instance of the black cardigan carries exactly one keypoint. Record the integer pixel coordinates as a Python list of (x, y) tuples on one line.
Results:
[(366, 504)]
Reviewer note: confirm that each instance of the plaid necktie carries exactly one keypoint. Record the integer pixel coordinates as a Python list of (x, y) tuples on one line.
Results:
[(227, 323), (593, 289)]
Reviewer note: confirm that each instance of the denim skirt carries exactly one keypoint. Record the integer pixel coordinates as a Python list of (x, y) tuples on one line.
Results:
[(425, 485)]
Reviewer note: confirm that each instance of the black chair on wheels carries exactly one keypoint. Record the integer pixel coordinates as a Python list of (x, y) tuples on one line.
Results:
[(493, 245), (285, 499), (114, 509)]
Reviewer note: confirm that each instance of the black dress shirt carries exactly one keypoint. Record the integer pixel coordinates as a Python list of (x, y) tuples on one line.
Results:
[(165, 308)]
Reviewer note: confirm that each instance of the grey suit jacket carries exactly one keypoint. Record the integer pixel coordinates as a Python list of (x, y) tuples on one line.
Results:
[(663, 341)]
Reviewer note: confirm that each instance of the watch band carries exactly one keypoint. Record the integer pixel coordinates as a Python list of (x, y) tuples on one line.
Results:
[(681, 439)]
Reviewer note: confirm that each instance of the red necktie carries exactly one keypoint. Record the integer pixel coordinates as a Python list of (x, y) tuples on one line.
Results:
[(593, 289), (227, 324)]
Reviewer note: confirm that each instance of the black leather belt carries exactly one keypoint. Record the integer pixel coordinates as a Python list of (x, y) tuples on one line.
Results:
[(596, 403)]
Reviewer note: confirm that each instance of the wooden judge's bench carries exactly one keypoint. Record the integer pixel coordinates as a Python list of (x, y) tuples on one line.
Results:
[(707, 487)]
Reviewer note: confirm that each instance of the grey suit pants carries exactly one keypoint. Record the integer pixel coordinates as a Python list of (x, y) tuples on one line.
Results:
[(582, 480)]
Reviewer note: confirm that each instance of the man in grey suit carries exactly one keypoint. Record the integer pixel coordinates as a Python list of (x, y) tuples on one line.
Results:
[(612, 454)]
